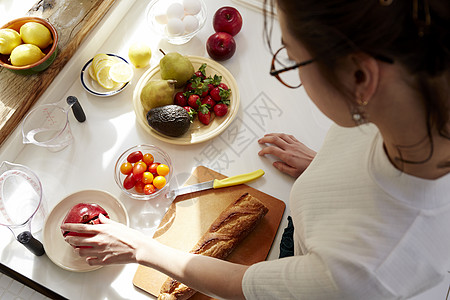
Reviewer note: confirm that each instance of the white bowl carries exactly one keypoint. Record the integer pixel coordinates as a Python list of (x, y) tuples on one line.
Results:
[(159, 7)]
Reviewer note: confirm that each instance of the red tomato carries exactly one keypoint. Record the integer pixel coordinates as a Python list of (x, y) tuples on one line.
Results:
[(134, 157), (149, 189), (148, 159), (139, 187), (153, 168), (139, 168), (129, 182), (126, 168)]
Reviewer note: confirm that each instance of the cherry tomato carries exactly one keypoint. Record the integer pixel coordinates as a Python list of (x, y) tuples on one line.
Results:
[(159, 182), (153, 168), (139, 168), (139, 187), (147, 177), (148, 159), (126, 168), (149, 189), (163, 169), (129, 182), (134, 157)]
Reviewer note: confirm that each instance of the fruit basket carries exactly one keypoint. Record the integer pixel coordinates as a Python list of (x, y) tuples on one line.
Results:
[(197, 132), (49, 52)]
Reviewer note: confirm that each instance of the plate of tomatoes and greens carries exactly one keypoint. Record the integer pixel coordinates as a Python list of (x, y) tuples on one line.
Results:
[(212, 85)]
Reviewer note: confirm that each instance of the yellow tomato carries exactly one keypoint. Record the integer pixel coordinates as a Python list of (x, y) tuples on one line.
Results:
[(159, 182), (147, 177), (163, 169)]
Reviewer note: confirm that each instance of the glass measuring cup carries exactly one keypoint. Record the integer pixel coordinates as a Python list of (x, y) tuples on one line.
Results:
[(48, 125), (20, 201)]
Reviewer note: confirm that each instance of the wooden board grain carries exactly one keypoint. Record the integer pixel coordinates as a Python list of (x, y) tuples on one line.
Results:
[(73, 20), (190, 215)]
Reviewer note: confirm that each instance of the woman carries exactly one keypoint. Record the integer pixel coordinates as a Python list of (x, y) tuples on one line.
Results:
[(371, 210)]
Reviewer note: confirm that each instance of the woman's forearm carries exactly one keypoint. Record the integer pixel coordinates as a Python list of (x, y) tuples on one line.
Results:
[(202, 273)]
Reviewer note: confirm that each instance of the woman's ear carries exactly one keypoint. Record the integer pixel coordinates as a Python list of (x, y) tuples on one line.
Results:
[(365, 77)]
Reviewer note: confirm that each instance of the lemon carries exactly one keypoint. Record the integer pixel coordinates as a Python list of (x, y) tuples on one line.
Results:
[(98, 58), (139, 54), (9, 39), (110, 71), (36, 34), (26, 54), (104, 79), (121, 72), (91, 72)]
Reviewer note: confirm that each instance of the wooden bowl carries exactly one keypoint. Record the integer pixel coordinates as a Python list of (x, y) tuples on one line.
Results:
[(50, 52)]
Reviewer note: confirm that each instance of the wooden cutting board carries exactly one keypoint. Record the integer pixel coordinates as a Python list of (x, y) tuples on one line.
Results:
[(190, 215), (73, 20)]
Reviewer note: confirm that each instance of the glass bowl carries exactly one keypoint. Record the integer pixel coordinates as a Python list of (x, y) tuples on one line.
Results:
[(157, 9), (50, 52), (159, 157)]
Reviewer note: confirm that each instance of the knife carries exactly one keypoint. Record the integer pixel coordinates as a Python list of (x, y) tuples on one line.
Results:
[(216, 183)]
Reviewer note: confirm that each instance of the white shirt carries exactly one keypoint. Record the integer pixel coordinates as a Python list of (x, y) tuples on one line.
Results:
[(363, 229)]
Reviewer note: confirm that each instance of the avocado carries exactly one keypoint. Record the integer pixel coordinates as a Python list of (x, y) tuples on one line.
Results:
[(171, 120)]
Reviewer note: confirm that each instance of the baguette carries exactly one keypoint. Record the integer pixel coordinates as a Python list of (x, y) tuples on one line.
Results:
[(224, 234)]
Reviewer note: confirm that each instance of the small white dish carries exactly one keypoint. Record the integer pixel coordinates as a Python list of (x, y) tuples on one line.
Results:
[(92, 87), (60, 252)]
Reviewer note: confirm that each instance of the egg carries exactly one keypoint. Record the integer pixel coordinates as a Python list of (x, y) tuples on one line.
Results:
[(190, 23), (175, 27), (192, 7), (175, 10), (161, 18)]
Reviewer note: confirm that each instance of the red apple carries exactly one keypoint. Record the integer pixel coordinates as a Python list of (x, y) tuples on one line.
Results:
[(227, 19), (221, 46)]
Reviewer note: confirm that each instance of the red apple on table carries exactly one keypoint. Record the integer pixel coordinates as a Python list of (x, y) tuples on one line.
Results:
[(221, 46), (227, 19)]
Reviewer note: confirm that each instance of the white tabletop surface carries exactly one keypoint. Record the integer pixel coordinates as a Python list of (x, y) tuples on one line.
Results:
[(110, 128)]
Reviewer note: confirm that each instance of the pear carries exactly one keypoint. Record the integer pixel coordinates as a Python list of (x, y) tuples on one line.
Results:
[(157, 93), (177, 67)]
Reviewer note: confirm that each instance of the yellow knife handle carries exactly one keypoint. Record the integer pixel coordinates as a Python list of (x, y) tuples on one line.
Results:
[(238, 179)]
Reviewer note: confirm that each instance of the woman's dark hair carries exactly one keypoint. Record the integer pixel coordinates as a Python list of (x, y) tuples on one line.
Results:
[(413, 33)]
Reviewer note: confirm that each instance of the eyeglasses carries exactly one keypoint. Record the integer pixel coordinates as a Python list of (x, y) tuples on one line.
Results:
[(281, 64)]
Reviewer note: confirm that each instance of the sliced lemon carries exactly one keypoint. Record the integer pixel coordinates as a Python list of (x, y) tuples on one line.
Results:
[(104, 79), (118, 85), (91, 72), (99, 57), (121, 72)]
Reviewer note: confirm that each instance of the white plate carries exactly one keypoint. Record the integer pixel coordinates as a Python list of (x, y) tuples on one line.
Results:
[(197, 132), (93, 87), (60, 252)]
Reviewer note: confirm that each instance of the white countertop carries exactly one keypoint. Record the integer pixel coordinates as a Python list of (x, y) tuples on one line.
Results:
[(88, 163)]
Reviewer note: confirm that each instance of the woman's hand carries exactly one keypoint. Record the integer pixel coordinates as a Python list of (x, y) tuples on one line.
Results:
[(109, 243), (294, 156)]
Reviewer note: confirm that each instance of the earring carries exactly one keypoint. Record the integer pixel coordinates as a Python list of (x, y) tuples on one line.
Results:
[(358, 113), (356, 117), (362, 102)]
